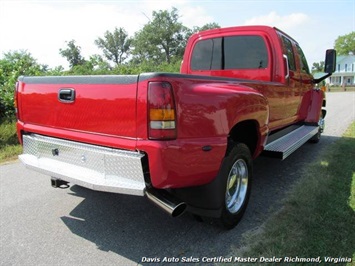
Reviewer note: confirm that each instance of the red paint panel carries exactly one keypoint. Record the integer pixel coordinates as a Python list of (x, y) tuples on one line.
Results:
[(314, 112), (206, 112), (183, 163), (102, 109)]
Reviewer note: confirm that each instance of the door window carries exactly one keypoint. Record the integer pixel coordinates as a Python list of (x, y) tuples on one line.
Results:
[(288, 51), (303, 61)]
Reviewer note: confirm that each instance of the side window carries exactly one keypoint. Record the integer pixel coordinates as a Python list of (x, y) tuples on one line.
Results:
[(245, 52), (303, 63), (207, 55), (289, 52)]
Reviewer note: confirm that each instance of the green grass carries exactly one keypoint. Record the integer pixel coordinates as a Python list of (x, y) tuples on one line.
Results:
[(9, 145), (318, 216)]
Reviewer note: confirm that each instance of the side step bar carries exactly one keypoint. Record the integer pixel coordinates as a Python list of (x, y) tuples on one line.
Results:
[(287, 144)]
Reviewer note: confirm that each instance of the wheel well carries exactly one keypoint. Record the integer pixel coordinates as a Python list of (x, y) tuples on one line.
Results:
[(244, 132)]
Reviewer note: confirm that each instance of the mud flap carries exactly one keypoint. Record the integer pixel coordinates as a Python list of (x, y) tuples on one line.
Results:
[(315, 109)]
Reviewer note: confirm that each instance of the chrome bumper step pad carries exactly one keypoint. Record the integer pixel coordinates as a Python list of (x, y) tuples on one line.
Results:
[(95, 167)]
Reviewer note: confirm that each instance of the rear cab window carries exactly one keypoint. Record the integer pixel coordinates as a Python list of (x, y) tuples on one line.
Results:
[(244, 55), (207, 55)]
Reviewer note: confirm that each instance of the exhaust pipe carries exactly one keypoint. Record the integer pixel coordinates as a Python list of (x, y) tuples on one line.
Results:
[(166, 202), (58, 183)]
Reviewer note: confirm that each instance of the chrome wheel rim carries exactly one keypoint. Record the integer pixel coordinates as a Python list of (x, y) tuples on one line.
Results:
[(321, 124), (237, 186)]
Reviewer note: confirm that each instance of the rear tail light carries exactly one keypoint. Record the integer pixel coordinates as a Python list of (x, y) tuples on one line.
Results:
[(161, 111)]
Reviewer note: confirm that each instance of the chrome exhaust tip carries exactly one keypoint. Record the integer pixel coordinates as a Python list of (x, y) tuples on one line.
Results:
[(166, 202)]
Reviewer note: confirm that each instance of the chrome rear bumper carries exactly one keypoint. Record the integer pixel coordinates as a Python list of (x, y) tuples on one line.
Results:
[(95, 167)]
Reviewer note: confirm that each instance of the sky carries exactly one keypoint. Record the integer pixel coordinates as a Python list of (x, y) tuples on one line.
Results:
[(44, 27)]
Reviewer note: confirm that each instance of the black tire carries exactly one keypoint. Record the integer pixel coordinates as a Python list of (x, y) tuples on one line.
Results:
[(236, 172), (316, 138)]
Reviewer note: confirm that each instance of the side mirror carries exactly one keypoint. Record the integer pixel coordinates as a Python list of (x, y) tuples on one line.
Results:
[(329, 65), (330, 61)]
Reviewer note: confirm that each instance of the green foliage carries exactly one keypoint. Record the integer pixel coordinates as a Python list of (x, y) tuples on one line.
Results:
[(72, 54), (318, 67), (115, 45), (161, 39), (9, 145), (208, 26), (94, 66), (8, 134), (317, 217), (57, 71), (12, 65), (345, 44)]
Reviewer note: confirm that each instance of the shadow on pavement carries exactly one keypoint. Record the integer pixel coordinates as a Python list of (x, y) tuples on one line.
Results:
[(134, 228)]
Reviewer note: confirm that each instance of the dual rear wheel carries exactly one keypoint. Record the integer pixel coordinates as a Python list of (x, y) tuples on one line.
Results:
[(237, 176), (236, 172)]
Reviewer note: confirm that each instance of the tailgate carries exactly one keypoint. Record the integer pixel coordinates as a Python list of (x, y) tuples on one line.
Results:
[(93, 104)]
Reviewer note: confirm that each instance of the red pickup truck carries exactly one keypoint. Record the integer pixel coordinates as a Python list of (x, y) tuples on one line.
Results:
[(186, 141)]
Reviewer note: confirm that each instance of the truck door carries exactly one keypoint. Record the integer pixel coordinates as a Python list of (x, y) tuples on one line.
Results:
[(293, 83), (306, 83)]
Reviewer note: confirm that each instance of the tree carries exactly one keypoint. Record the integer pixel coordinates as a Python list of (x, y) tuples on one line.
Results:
[(72, 54), (115, 45), (94, 66), (318, 67), (161, 39), (207, 26), (195, 29), (99, 65), (12, 65), (345, 44)]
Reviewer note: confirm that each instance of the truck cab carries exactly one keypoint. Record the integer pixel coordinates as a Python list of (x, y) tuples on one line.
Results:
[(255, 53)]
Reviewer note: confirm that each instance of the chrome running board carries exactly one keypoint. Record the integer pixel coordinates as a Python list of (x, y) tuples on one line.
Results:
[(284, 146)]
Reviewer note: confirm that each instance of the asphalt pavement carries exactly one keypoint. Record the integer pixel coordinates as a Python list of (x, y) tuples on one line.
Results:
[(40, 225)]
